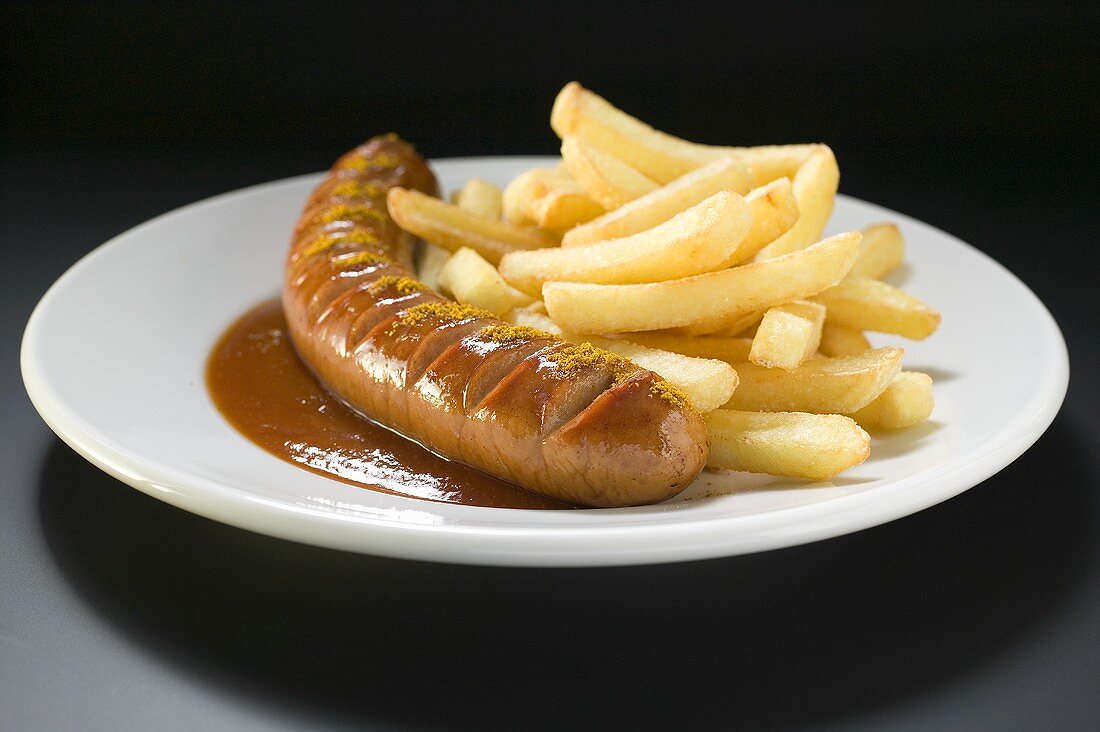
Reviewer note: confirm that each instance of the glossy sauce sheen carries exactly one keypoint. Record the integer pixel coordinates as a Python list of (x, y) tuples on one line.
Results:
[(266, 393)]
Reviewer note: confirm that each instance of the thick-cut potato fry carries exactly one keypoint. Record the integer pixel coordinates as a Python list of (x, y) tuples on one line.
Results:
[(519, 193), (788, 335), (578, 111), (756, 239), (429, 261), (730, 350), (473, 281), (480, 197), (774, 211), (662, 204), (563, 205), (814, 446), (716, 296), (701, 239), (742, 325), (609, 181), (814, 185), (708, 383), (840, 340), (866, 304), (477, 196), (839, 385), (906, 402), (452, 228), (881, 251), (548, 198)]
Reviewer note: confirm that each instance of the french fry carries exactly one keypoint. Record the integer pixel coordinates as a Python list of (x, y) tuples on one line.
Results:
[(907, 401), (716, 296), (480, 197), (730, 350), (880, 253), (788, 335), (774, 211), (473, 281), (609, 181), (742, 325), (579, 112), (548, 198), (452, 228), (563, 206), (839, 385), (814, 186), (662, 204), (773, 207), (840, 340), (814, 446), (703, 238), (429, 261), (518, 194), (477, 196), (708, 383), (722, 324), (866, 304)]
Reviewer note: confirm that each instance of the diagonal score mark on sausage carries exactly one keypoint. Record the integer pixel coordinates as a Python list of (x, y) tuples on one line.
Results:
[(569, 421)]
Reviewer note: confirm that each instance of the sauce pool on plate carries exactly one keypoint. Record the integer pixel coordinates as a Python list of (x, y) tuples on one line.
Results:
[(263, 389)]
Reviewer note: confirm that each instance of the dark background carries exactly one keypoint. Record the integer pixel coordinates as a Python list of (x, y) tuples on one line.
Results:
[(118, 612)]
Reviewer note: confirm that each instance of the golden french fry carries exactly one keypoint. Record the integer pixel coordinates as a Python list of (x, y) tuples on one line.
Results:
[(708, 383), (840, 385), (429, 261), (907, 401), (728, 349), (480, 197), (866, 304), (477, 196), (452, 228), (473, 281), (661, 204), (548, 198), (716, 296), (814, 186), (609, 181), (773, 207), (777, 193), (840, 340), (519, 192), (560, 210), (579, 112), (814, 446), (788, 335), (701, 239), (563, 206), (881, 251), (742, 325), (774, 211)]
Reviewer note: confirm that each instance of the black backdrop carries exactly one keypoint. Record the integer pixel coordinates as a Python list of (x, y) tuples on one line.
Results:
[(478, 77), (979, 118)]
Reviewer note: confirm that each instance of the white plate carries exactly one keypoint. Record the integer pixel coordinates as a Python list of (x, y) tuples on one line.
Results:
[(113, 359)]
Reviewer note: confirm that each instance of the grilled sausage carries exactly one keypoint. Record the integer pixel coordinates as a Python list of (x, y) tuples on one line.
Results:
[(569, 421)]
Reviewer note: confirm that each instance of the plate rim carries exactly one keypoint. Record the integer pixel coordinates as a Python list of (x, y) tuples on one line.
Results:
[(497, 545)]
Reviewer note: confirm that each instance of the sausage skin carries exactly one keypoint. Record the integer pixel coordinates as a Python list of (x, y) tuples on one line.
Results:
[(569, 421)]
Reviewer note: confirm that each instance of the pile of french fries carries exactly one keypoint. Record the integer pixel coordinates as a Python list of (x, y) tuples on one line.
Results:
[(704, 264)]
